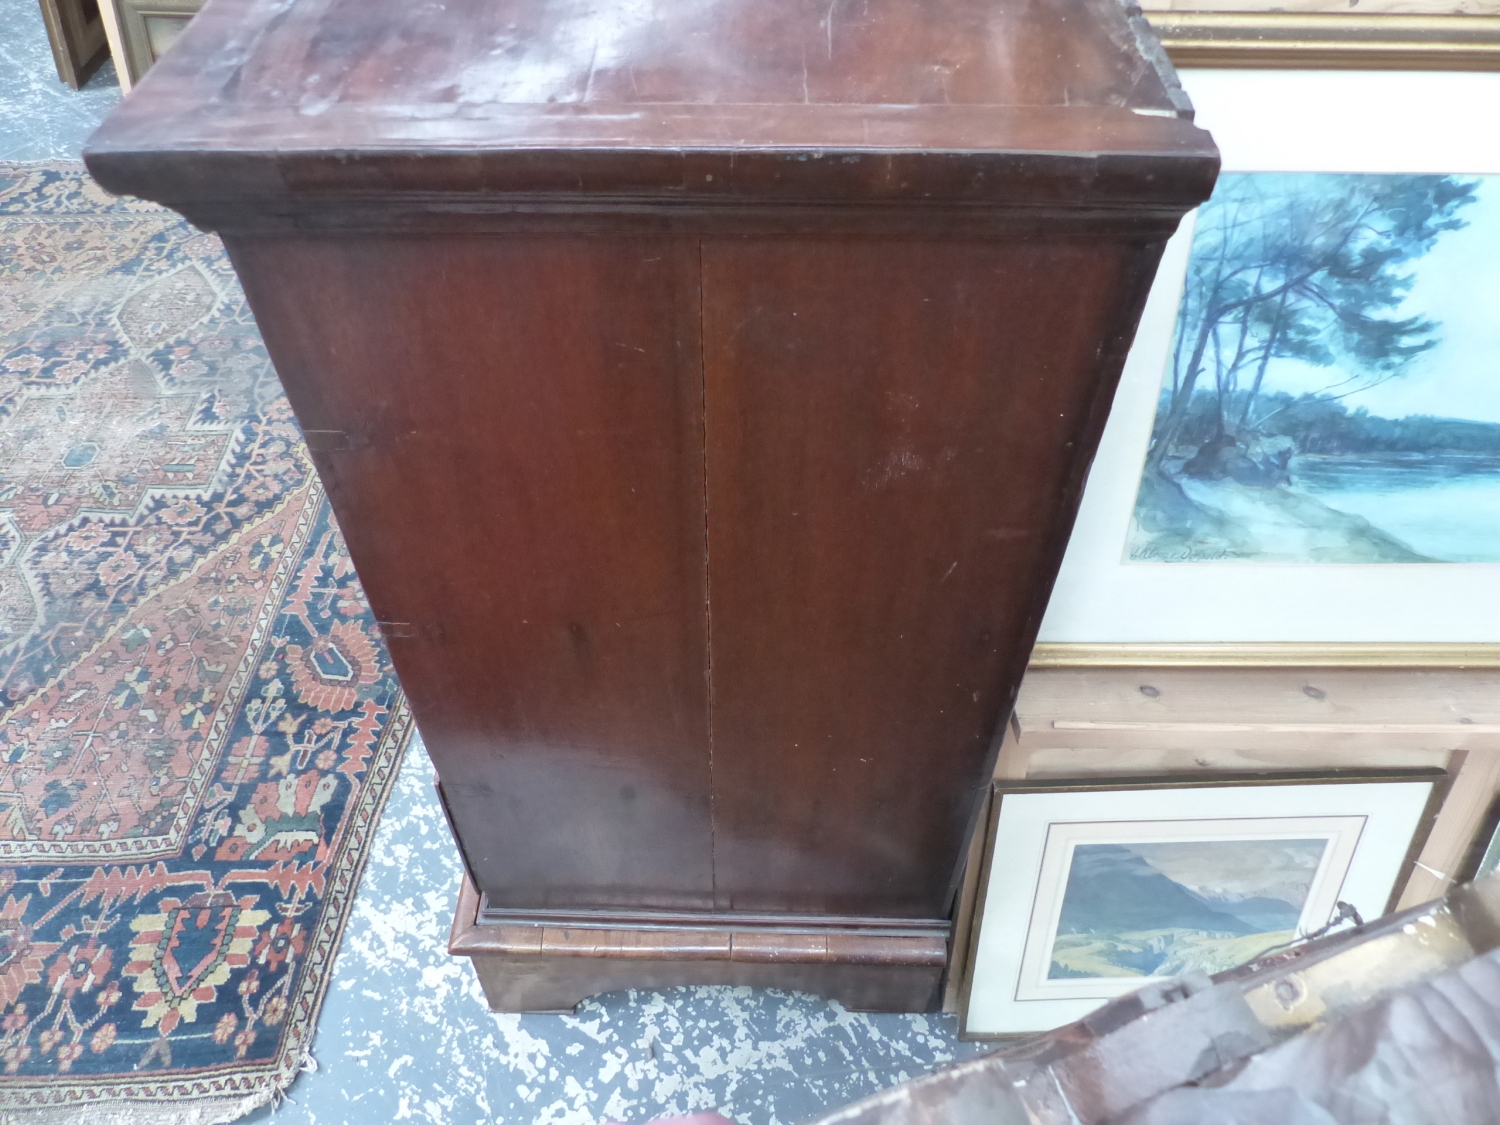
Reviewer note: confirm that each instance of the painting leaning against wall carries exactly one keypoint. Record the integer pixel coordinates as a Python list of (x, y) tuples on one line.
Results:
[(1333, 390)]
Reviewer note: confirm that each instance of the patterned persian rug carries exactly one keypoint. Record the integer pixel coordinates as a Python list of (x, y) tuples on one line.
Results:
[(198, 722)]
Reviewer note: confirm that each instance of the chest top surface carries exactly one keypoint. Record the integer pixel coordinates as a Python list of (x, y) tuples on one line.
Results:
[(378, 79)]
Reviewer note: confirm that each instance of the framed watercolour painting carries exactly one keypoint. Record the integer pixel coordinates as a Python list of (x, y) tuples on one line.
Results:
[(1091, 890), (1330, 396), (1305, 446)]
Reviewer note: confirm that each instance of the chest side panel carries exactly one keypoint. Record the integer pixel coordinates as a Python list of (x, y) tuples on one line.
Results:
[(897, 437), (510, 429)]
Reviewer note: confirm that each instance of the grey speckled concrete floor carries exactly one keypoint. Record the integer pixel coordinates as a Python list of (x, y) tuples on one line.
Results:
[(405, 1034), (40, 118)]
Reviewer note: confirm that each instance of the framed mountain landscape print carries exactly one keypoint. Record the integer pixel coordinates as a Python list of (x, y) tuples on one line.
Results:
[(1093, 890), (1305, 446)]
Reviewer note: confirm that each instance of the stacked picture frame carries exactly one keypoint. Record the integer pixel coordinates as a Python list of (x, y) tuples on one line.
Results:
[(1111, 883), (1379, 34), (76, 34), (1263, 701)]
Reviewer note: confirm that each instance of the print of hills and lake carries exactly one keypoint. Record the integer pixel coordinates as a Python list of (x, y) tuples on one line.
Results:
[(1159, 909)]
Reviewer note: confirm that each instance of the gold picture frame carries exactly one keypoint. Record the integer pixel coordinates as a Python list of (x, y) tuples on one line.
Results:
[(1329, 34), (145, 30), (1258, 654)]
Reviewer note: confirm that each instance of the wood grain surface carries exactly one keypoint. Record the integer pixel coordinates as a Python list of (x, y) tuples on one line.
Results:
[(551, 968), (891, 481), (510, 432), (1475, 783), (713, 101)]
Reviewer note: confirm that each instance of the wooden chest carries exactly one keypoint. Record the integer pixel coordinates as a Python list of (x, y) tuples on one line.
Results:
[(705, 389)]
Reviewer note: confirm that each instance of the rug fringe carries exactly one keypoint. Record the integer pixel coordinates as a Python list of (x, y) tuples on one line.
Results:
[(179, 1111)]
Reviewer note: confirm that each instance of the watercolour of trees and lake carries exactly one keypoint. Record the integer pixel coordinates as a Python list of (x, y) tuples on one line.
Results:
[(1333, 389)]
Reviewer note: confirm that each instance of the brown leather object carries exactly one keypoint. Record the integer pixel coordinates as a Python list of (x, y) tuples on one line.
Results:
[(1429, 1055), (1395, 1022)]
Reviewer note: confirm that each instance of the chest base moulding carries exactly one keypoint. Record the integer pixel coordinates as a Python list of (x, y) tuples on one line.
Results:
[(705, 392)]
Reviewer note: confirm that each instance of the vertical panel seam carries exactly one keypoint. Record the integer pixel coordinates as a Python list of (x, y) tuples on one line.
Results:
[(708, 610)]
